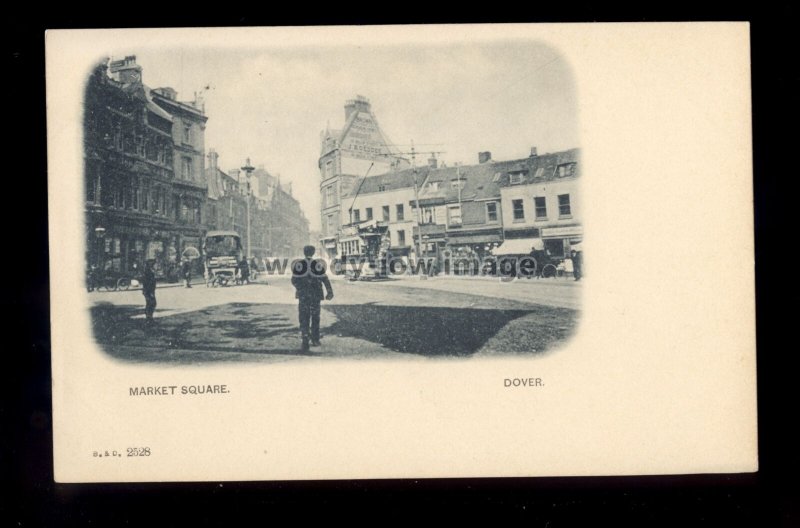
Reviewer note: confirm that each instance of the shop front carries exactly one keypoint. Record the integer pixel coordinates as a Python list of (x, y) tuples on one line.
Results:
[(467, 251), (559, 241)]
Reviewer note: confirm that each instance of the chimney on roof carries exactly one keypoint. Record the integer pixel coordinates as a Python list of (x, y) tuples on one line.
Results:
[(483, 157), (433, 162), (534, 153), (359, 104), (213, 158), (126, 70)]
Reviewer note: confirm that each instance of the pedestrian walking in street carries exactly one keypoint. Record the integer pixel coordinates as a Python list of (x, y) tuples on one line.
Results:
[(308, 277), (577, 265), (149, 290), (186, 272), (244, 272)]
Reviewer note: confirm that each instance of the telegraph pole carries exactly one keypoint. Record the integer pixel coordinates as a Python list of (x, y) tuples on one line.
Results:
[(248, 169)]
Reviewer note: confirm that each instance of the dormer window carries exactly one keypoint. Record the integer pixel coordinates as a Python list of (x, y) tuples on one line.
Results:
[(566, 169), (515, 178), (457, 184), (433, 186), (187, 134)]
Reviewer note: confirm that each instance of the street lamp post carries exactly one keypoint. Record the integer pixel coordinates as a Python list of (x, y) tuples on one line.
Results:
[(248, 169)]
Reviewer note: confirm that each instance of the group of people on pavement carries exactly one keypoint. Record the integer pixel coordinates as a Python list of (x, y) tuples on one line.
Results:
[(309, 278)]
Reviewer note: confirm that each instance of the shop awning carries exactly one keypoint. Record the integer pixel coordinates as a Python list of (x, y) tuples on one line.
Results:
[(518, 246)]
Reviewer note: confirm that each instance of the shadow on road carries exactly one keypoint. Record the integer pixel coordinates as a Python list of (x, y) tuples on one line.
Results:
[(235, 331), (215, 333), (421, 330)]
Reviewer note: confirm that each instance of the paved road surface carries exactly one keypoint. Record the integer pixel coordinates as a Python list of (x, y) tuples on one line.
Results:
[(398, 319)]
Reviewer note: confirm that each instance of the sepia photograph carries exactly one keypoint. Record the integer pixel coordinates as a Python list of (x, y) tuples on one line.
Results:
[(229, 194), (310, 253)]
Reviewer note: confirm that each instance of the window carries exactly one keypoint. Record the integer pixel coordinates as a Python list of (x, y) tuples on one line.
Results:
[(145, 195), (356, 215), (381, 188), (401, 237), (329, 225), (186, 168), (385, 213), (92, 186), (119, 196), (554, 247), (564, 208), (519, 210), (400, 213), (330, 192), (457, 184), (369, 213), (515, 177), (328, 169), (541, 206), (187, 133), (566, 169), (454, 214), (135, 194), (491, 211)]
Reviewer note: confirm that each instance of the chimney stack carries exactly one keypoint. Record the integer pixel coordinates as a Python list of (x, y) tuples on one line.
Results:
[(126, 71), (359, 104), (212, 158), (433, 162), (483, 157), (534, 152)]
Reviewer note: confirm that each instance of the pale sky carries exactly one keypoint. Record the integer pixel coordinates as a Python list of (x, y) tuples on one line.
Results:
[(271, 104)]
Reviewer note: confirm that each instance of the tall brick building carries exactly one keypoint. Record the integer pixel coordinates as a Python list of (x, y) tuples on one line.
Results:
[(138, 206), (357, 150)]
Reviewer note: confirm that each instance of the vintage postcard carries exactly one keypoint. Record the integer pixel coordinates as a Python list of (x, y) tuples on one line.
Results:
[(401, 252)]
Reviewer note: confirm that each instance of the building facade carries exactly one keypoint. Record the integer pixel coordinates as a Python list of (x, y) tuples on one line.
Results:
[(278, 226), (189, 187), (358, 150), (460, 209), (540, 202), (129, 152), (387, 199)]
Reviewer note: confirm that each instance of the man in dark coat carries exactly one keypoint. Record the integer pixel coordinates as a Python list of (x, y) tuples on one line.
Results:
[(308, 278), (244, 271), (149, 290), (186, 272), (577, 265)]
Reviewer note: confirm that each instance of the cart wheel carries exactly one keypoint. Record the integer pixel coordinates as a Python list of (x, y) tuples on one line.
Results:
[(109, 284), (123, 283), (549, 271)]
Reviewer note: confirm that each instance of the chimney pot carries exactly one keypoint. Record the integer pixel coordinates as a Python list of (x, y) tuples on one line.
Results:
[(483, 157), (534, 153)]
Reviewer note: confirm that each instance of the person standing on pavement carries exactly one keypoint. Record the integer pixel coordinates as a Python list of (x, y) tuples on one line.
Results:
[(308, 277), (149, 290), (577, 268), (186, 272)]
